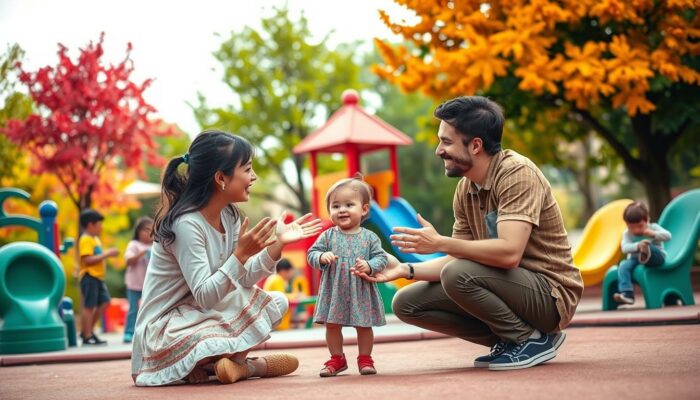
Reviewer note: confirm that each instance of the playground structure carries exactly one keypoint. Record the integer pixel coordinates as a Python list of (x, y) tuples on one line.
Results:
[(353, 132), (32, 282), (599, 247), (45, 227), (668, 284)]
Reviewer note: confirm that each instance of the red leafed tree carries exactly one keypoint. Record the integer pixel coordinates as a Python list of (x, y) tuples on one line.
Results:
[(89, 119)]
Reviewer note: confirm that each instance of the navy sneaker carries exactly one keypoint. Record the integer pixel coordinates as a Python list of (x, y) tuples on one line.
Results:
[(496, 351), (529, 353), (93, 341)]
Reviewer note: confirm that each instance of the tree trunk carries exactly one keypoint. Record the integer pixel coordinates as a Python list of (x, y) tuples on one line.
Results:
[(657, 184), (84, 202), (76, 251), (583, 179), (651, 167), (301, 193), (652, 170), (583, 183)]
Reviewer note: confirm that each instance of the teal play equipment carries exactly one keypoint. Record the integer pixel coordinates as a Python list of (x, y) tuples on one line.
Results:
[(45, 227), (65, 309), (32, 281), (31, 286), (669, 283)]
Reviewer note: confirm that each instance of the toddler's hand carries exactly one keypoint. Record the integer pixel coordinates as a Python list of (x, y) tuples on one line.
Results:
[(328, 258), (362, 266)]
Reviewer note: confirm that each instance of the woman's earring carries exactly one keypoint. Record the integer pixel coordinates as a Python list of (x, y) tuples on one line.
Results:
[(223, 186)]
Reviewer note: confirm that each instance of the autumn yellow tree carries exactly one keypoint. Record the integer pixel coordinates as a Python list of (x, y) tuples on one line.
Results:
[(627, 69)]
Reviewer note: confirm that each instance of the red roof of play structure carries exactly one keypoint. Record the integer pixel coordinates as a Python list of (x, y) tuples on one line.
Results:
[(352, 125)]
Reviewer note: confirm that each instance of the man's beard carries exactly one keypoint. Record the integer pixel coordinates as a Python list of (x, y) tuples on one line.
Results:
[(461, 166)]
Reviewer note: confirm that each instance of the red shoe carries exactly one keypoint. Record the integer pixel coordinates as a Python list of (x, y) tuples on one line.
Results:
[(334, 366), (366, 365)]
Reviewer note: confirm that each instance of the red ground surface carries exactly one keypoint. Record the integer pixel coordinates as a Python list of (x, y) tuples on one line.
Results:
[(658, 362)]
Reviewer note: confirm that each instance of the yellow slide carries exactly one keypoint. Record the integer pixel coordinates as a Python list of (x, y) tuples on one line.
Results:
[(599, 247)]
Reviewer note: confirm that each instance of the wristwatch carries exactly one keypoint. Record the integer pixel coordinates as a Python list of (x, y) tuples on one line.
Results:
[(411, 271)]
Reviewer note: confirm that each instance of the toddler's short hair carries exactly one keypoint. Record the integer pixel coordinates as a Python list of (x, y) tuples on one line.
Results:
[(635, 212), (355, 183)]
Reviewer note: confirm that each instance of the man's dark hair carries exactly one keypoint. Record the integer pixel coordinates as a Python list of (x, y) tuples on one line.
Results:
[(474, 116), (88, 216), (283, 265)]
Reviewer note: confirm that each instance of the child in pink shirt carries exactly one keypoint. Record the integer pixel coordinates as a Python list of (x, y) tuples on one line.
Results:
[(137, 254)]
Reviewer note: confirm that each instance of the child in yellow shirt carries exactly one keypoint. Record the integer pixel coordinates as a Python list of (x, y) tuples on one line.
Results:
[(283, 280), (93, 289)]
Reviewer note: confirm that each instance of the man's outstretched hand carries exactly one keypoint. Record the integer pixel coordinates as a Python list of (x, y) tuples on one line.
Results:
[(423, 240)]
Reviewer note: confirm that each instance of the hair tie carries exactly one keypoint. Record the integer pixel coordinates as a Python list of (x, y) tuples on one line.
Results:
[(186, 158)]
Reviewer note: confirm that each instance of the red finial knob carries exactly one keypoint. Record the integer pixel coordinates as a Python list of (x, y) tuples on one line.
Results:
[(350, 97)]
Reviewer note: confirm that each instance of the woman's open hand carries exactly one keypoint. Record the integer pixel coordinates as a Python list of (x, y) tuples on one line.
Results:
[(299, 229), (253, 241)]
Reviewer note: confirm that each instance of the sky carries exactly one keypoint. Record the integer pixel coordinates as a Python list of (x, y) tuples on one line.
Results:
[(173, 41)]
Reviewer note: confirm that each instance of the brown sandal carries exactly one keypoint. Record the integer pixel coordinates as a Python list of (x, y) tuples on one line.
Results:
[(644, 252), (279, 364), (228, 371)]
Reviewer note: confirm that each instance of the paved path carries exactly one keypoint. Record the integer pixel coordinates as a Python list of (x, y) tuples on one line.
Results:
[(657, 362)]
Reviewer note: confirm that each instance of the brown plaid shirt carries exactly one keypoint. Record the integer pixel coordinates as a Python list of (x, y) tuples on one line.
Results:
[(515, 189)]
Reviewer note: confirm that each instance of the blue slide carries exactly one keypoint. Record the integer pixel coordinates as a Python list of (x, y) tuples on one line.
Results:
[(399, 213)]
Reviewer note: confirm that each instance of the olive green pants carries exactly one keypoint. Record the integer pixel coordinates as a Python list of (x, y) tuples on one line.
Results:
[(480, 304)]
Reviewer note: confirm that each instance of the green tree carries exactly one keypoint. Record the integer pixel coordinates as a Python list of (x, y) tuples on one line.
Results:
[(13, 105), (284, 83)]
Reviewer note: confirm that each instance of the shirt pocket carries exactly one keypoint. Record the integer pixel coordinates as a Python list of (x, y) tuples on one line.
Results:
[(490, 220)]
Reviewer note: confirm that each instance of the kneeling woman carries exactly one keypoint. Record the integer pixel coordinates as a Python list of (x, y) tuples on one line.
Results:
[(201, 312)]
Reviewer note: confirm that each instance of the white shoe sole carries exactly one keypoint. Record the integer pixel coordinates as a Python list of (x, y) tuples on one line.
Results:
[(559, 341), (541, 358)]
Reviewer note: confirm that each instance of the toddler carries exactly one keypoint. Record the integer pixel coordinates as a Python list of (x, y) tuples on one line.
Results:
[(643, 242), (345, 299)]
